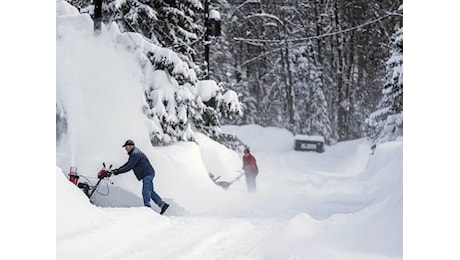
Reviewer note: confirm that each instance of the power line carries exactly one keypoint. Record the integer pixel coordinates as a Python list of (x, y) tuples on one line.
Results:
[(301, 40), (316, 36)]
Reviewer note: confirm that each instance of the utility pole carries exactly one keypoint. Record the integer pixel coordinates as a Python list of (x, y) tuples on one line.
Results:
[(97, 15), (212, 26), (206, 37)]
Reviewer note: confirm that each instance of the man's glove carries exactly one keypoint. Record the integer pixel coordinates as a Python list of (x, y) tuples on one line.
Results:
[(115, 172)]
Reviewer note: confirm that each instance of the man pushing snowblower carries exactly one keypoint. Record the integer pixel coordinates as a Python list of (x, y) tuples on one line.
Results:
[(140, 164), (250, 170)]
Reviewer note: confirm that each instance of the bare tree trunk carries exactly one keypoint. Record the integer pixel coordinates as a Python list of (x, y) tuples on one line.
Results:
[(341, 113), (289, 84)]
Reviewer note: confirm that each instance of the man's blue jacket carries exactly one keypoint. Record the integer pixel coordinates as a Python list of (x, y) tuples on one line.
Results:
[(139, 163)]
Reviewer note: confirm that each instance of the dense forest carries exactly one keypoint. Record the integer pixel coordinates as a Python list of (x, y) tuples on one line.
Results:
[(320, 67)]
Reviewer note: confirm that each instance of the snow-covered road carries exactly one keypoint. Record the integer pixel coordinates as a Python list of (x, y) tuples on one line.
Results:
[(307, 206)]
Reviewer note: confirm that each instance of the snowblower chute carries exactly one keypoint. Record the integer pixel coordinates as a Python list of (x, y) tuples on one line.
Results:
[(224, 184)]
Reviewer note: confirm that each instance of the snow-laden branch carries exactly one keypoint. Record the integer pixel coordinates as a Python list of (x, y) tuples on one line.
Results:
[(244, 3), (265, 15)]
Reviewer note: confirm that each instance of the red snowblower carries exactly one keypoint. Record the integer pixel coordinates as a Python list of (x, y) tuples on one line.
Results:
[(224, 184), (87, 187)]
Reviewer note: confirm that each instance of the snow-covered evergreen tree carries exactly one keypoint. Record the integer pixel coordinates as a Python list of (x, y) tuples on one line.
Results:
[(177, 107), (309, 91), (387, 122), (177, 27), (172, 24), (318, 119), (214, 104), (186, 102)]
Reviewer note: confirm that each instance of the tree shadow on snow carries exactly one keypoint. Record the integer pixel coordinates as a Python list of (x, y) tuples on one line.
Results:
[(118, 197)]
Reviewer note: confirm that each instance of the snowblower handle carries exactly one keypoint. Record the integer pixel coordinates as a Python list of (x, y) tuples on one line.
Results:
[(104, 174)]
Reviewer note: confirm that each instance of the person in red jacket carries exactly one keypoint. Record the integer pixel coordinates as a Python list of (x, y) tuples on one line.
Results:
[(250, 169)]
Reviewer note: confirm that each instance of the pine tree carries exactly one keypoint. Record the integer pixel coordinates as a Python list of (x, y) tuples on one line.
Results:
[(319, 117), (178, 27), (161, 34), (172, 24), (387, 122)]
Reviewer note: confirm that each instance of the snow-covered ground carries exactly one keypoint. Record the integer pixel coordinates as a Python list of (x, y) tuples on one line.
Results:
[(340, 204)]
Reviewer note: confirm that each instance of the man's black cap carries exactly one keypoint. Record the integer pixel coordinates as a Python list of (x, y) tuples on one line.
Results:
[(128, 142)]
